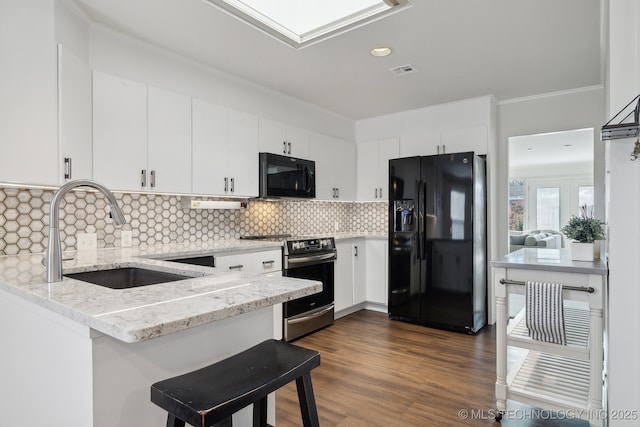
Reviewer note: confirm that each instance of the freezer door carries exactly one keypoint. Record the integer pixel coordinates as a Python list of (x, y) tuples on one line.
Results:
[(405, 235)]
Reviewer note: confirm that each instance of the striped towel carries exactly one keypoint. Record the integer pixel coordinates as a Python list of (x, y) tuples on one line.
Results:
[(545, 312)]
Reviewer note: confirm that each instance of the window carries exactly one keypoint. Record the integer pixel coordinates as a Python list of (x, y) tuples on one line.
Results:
[(298, 23), (548, 208), (585, 197), (516, 204)]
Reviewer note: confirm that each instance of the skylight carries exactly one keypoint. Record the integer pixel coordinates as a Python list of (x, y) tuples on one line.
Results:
[(300, 23)]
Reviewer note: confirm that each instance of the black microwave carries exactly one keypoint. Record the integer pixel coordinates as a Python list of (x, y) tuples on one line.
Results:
[(282, 176)]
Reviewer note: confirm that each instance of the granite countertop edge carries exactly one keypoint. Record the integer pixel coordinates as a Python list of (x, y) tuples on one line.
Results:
[(139, 314)]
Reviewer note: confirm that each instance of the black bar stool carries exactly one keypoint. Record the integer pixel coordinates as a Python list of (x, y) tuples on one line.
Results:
[(209, 396)]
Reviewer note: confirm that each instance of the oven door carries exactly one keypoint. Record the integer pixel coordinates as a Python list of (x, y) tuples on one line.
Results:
[(322, 272)]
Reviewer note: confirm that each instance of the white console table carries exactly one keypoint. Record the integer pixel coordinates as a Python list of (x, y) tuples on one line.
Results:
[(571, 377)]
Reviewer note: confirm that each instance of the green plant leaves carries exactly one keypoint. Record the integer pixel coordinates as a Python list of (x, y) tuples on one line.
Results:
[(584, 230)]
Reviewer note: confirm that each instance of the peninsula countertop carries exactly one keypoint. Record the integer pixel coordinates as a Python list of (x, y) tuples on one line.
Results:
[(141, 313)]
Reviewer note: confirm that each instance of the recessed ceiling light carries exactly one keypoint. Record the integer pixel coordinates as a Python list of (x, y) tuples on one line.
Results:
[(566, 146), (529, 149), (301, 23), (380, 51)]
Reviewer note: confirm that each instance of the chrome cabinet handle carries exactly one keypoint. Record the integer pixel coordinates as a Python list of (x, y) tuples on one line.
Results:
[(226, 184), (337, 192), (67, 168), (236, 267), (284, 147), (270, 262), (232, 185), (143, 178), (289, 145), (443, 149), (376, 193), (152, 174), (380, 192), (355, 251)]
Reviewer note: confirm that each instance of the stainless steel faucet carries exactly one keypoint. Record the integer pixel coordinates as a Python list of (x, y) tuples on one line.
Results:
[(53, 260)]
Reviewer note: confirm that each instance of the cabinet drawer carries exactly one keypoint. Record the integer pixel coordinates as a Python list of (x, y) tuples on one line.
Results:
[(254, 262), (266, 262), (234, 262)]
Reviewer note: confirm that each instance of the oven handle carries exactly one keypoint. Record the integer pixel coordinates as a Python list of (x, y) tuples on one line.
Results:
[(310, 316), (308, 259)]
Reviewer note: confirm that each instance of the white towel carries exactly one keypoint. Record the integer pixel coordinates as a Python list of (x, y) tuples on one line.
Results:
[(545, 312)]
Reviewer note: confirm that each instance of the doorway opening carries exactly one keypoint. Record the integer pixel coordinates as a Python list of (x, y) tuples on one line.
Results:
[(550, 177)]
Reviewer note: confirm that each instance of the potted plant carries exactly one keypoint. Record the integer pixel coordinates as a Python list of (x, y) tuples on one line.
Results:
[(585, 231)]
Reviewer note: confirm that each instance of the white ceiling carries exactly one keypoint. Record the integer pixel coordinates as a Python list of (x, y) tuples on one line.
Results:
[(461, 48), (549, 149)]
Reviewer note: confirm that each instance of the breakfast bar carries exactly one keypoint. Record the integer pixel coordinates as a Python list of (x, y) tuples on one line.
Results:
[(86, 354)]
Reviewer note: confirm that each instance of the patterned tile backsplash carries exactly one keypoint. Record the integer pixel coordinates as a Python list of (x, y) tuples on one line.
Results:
[(152, 218)]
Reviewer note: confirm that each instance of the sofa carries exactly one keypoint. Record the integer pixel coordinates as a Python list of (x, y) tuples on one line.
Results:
[(548, 239)]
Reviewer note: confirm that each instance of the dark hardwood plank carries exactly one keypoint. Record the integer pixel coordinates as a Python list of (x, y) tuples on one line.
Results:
[(378, 372)]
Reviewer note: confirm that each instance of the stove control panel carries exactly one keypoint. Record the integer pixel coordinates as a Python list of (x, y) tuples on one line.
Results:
[(310, 245)]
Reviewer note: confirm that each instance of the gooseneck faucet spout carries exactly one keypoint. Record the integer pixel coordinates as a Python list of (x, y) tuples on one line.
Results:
[(53, 260)]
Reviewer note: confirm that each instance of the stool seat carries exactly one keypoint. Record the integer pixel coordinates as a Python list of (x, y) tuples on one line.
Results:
[(212, 394)]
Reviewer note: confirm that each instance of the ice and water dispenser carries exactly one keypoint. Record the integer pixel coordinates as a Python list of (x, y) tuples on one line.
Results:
[(404, 215)]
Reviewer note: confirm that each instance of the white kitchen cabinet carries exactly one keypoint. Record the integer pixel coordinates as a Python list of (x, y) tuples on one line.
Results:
[(141, 136), (335, 167), (210, 148), (473, 138), (376, 271), (269, 261), (373, 168), (343, 276), (225, 151), (359, 272), (74, 117), (422, 144), (243, 154), (169, 141), (119, 131), (278, 138)]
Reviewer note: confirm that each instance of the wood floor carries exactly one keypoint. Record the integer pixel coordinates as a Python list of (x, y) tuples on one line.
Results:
[(378, 372)]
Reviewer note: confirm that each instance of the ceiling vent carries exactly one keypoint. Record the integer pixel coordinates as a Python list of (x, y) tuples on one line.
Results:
[(403, 69)]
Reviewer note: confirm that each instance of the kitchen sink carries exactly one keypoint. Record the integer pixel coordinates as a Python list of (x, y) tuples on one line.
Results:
[(126, 277)]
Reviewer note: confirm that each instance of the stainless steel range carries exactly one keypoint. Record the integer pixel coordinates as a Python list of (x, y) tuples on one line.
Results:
[(313, 259)]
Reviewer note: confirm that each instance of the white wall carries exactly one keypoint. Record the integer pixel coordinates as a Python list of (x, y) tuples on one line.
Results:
[(121, 55), (623, 213)]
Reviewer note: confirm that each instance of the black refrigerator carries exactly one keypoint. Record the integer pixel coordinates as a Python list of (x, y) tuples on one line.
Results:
[(437, 241)]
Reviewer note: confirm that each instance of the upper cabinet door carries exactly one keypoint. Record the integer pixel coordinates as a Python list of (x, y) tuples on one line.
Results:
[(466, 139), (297, 142), (243, 154), (367, 170), (119, 131), (209, 148), (169, 139), (335, 167), (373, 168), (387, 149), (278, 138), (272, 137), (74, 117)]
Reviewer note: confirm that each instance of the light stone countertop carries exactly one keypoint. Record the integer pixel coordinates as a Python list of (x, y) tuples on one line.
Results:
[(138, 314), (550, 260)]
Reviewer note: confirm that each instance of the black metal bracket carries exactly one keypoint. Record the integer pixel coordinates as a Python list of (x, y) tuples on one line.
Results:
[(622, 129)]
